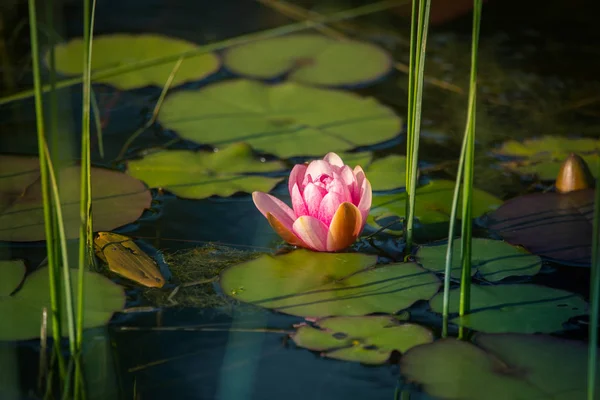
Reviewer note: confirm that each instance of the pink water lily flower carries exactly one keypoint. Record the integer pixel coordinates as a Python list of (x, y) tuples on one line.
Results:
[(330, 205)]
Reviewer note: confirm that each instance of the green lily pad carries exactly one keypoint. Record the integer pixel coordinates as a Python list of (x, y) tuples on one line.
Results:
[(500, 367), (197, 175), (286, 119), (432, 208), (312, 284), (12, 273), (24, 309), (110, 51), (494, 260), (368, 340), (543, 156), (117, 199), (311, 59), (521, 308), (387, 173)]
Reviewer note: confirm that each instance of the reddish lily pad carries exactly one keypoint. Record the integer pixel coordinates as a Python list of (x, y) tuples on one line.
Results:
[(117, 199), (557, 226)]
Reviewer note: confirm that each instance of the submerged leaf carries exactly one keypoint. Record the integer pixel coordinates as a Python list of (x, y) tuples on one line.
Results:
[(309, 58), (312, 284), (522, 308), (122, 49), (286, 119), (117, 199), (197, 175), (12, 273)]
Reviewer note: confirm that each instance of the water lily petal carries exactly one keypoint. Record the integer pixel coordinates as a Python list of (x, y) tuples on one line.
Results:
[(269, 204), (297, 176), (312, 232), (329, 206), (333, 159), (298, 202), (313, 195), (366, 197), (286, 234), (316, 169), (345, 227), (359, 176)]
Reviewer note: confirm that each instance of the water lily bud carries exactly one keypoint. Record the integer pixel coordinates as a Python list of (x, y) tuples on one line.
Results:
[(330, 205), (574, 174)]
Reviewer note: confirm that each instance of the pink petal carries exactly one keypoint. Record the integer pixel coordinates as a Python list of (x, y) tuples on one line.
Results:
[(333, 159), (317, 168), (313, 195), (347, 175), (297, 176), (312, 232), (337, 185), (298, 202), (329, 206), (359, 176), (269, 204), (366, 197)]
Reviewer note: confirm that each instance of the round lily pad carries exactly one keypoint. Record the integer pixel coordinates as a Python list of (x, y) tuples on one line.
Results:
[(387, 173), (285, 119), (310, 59), (557, 226), (432, 208), (368, 340), (12, 273), (543, 156), (500, 367), (117, 199), (116, 50), (24, 309), (197, 175), (521, 308), (312, 284), (493, 260)]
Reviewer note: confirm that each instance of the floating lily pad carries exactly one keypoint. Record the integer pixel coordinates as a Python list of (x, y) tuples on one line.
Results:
[(12, 273), (117, 199), (387, 173), (310, 59), (286, 119), (521, 308), (494, 260), (500, 367), (432, 208), (24, 309), (312, 284), (197, 175), (557, 226), (119, 50), (543, 156), (369, 340)]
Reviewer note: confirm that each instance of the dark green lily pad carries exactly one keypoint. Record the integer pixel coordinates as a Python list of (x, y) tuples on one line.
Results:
[(522, 308), (493, 260), (197, 175), (432, 209), (312, 284), (286, 119), (557, 226), (311, 59), (543, 156), (500, 367), (24, 309), (117, 199), (368, 340), (12, 273), (110, 51)]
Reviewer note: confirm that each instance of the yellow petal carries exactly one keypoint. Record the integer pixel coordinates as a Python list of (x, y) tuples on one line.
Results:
[(345, 227), (284, 232), (574, 175)]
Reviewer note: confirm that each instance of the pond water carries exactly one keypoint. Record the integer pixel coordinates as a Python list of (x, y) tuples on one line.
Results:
[(538, 78)]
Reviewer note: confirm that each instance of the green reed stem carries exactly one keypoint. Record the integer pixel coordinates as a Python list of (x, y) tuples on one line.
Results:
[(266, 34), (97, 123), (414, 116), (467, 198), (410, 107), (49, 220), (592, 368)]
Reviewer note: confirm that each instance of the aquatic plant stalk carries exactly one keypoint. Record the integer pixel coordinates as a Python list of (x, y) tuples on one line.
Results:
[(266, 34), (467, 198), (592, 368), (415, 95)]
